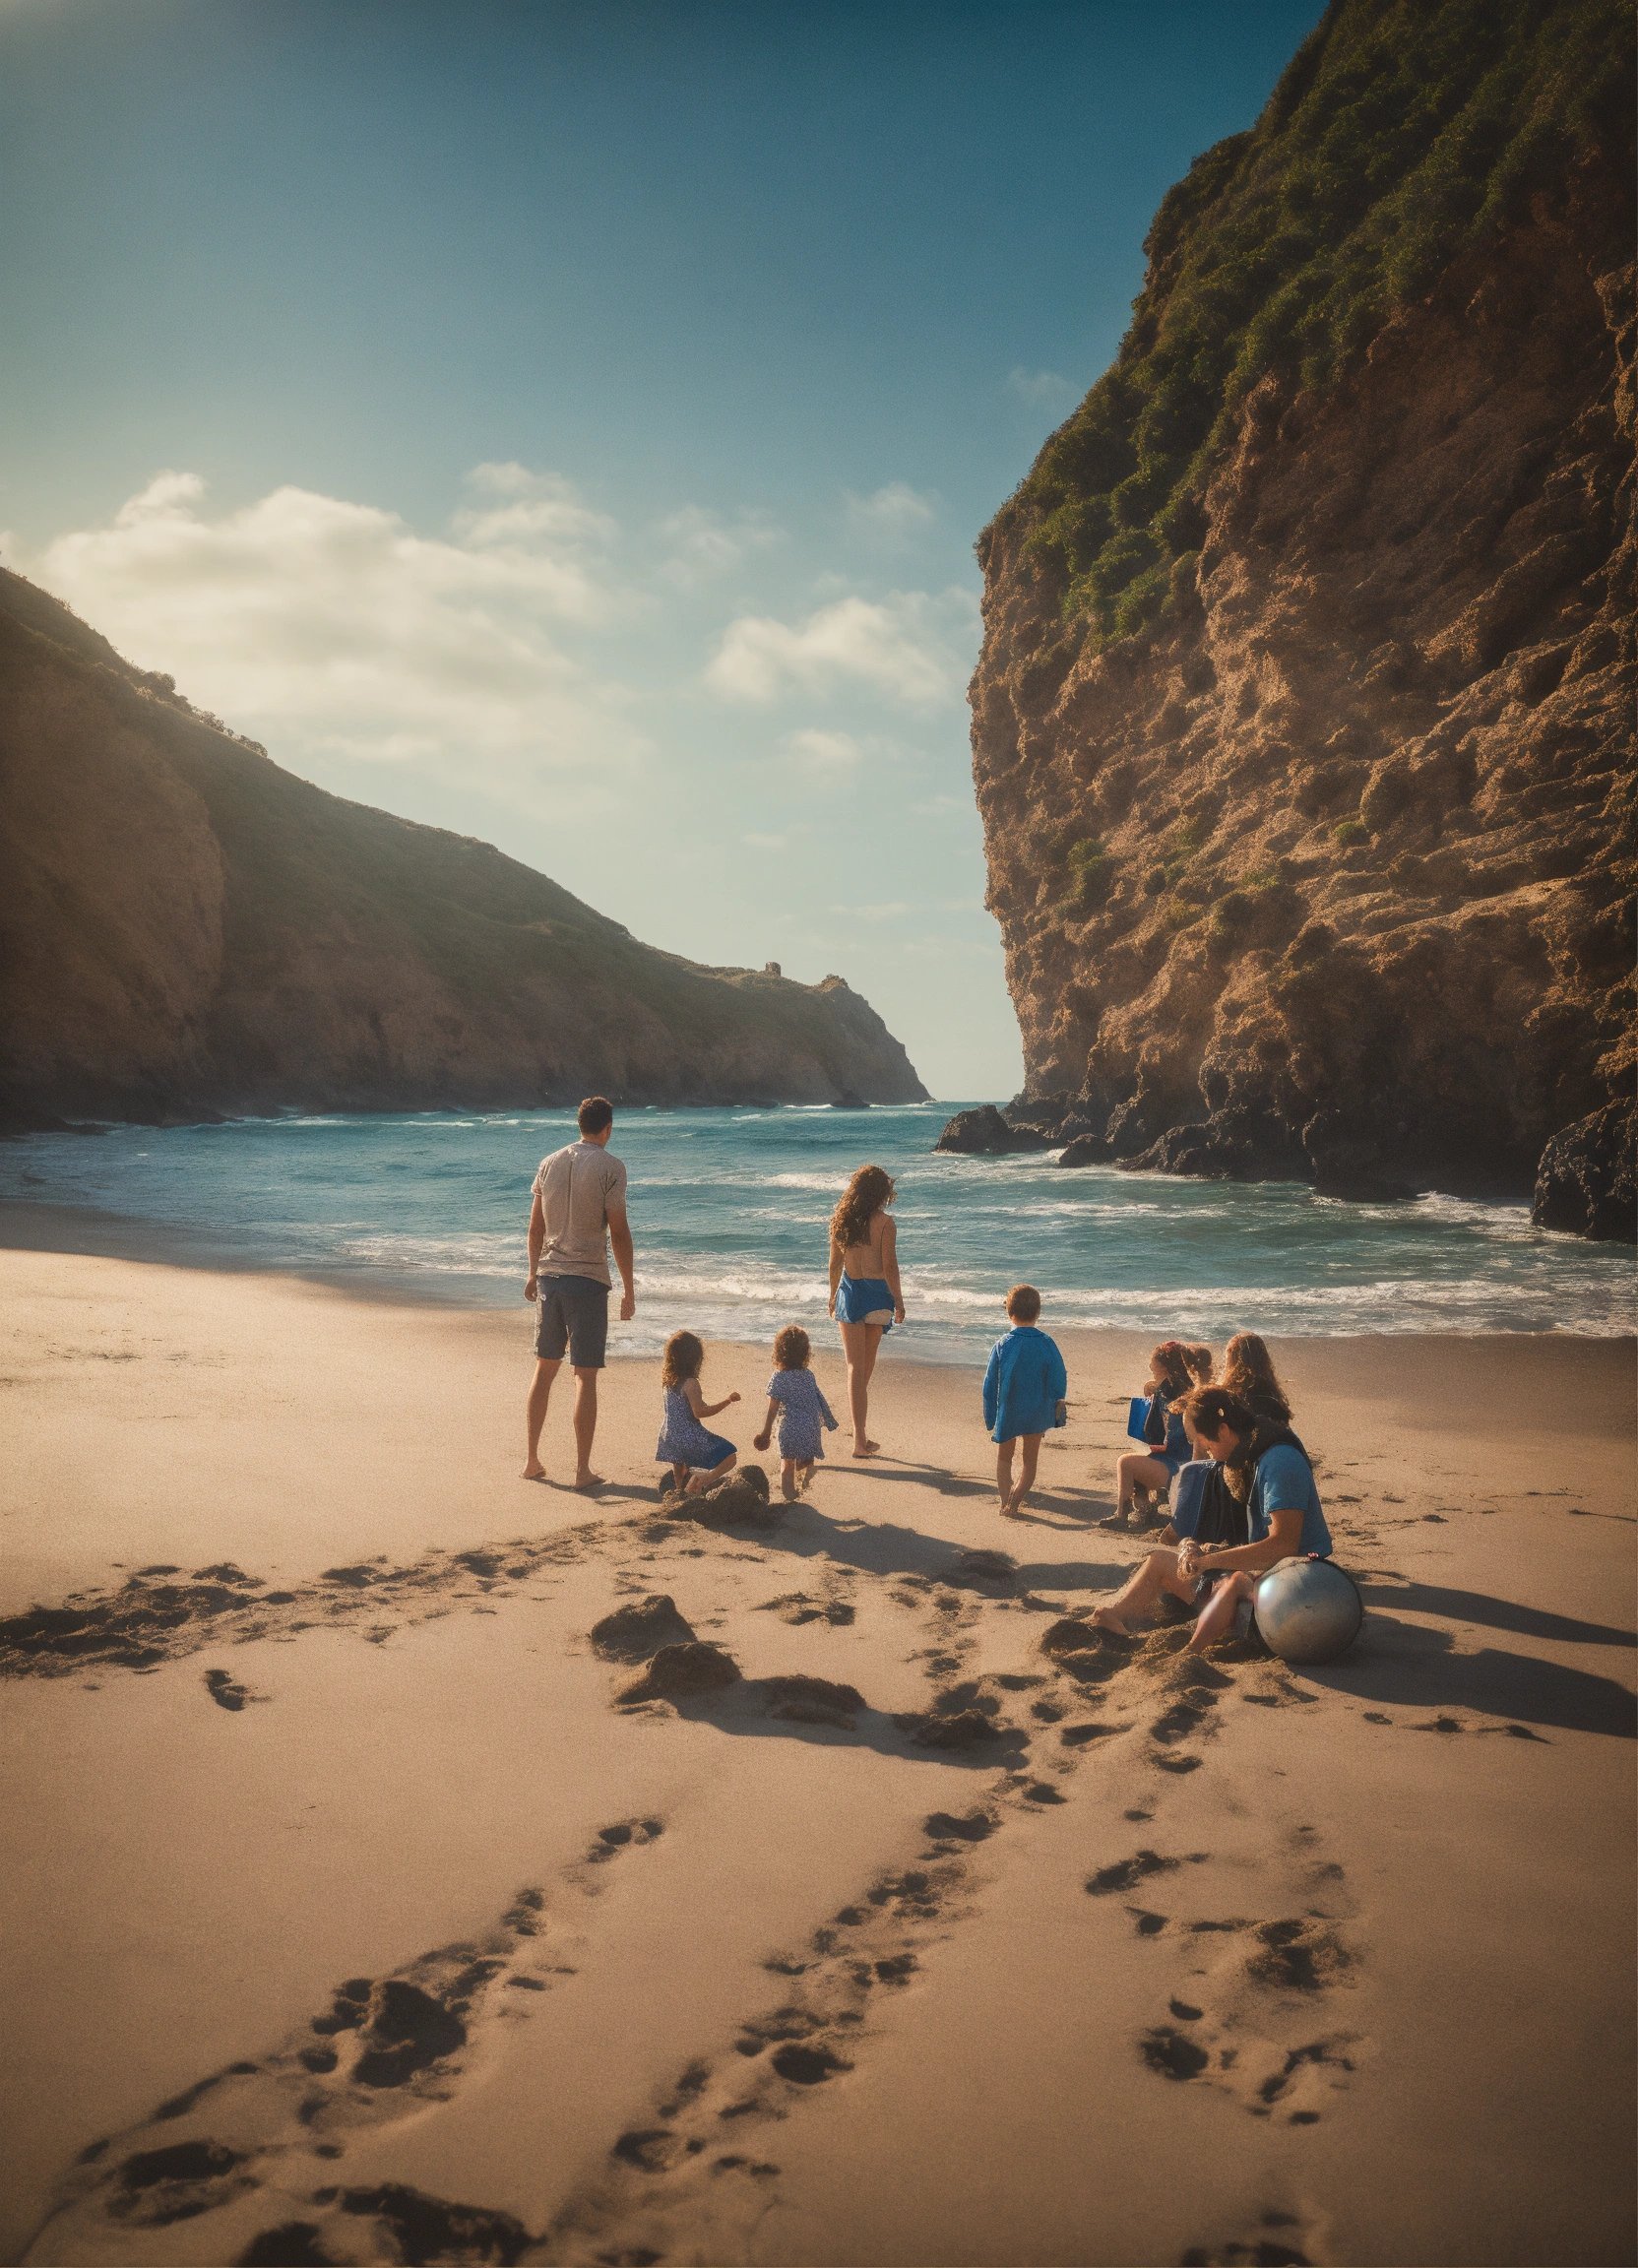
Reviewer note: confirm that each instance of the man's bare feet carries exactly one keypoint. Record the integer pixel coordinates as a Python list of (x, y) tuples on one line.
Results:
[(868, 1449), (587, 1482), (535, 1469)]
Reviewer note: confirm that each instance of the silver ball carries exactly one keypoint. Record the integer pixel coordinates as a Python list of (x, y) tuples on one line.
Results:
[(1309, 1609)]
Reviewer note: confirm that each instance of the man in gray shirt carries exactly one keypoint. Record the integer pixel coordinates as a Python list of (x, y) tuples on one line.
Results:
[(578, 1211)]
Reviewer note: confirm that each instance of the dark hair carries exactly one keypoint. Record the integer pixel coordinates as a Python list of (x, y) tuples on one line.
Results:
[(1170, 1360), (682, 1360), (595, 1114), (791, 1347), (1201, 1362), (1022, 1302), (1248, 1371), (863, 1197), (1209, 1408)]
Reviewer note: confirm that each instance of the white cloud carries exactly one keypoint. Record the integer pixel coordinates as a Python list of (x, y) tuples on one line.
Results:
[(914, 647), (1041, 389), (824, 754), (891, 514), (305, 617), (704, 543)]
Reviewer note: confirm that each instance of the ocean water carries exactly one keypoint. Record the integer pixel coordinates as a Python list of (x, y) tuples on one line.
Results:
[(729, 1209)]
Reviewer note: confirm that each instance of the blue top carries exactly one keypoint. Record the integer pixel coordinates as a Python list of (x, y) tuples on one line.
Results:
[(1175, 1450), (1285, 1483), (1024, 1384), (1190, 1497)]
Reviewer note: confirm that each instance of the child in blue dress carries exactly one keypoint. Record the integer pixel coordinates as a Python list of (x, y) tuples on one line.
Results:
[(795, 1400), (1024, 1397), (696, 1457)]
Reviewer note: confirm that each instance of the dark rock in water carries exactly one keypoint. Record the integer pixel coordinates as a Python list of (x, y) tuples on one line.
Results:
[(428, 2228), (678, 1672), (984, 1133), (811, 1700), (1085, 1150), (740, 1502), (404, 2030), (636, 1633), (1587, 1182), (849, 1102)]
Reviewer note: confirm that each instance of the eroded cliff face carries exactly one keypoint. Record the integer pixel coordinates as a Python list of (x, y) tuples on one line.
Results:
[(1326, 872), (185, 930)]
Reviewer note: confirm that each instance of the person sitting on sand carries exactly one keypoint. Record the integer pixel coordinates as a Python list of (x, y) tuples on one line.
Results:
[(579, 1210), (696, 1457), (795, 1400), (1024, 1397), (1202, 1363), (1153, 1469), (865, 1298), (1259, 1505), (1248, 1371)]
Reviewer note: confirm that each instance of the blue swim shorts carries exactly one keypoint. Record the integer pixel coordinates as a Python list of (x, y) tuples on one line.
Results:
[(865, 1300)]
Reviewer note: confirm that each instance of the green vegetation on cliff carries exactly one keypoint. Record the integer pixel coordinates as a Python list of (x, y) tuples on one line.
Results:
[(1404, 133)]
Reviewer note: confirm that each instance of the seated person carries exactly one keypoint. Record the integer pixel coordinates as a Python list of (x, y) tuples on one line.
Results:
[(1248, 1371), (1257, 1505), (1154, 1467)]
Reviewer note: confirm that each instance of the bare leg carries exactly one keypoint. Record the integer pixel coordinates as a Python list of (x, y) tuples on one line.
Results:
[(1135, 1470), (585, 1426), (539, 1394), (804, 1477), (1217, 1618), (788, 1480), (1028, 1459), (699, 1481), (1003, 1475), (1140, 1595), (860, 1343)]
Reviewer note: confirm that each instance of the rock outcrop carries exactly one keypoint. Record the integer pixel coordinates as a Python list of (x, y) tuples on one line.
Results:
[(187, 930), (1303, 730), (984, 1133)]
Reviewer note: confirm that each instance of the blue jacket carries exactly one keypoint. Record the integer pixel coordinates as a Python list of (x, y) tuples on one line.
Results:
[(1024, 1384)]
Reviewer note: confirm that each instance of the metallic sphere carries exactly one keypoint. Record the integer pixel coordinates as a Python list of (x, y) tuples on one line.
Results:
[(1309, 1609)]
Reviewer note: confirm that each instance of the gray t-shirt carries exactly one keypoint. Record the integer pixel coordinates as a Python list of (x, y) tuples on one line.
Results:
[(576, 1186)]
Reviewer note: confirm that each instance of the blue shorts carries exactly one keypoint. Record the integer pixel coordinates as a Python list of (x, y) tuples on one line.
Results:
[(865, 1300), (573, 1317)]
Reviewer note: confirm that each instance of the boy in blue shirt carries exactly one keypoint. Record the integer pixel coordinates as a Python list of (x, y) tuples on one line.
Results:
[(1024, 1397)]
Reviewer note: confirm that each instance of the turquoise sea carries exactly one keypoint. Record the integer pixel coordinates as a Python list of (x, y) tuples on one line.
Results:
[(729, 1208)]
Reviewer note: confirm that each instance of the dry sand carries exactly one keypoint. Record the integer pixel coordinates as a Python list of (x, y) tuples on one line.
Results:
[(347, 1900)]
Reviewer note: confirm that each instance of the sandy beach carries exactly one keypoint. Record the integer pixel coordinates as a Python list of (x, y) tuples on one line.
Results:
[(359, 1906)]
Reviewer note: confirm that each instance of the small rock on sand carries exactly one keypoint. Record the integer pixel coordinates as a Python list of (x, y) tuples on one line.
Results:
[(681, 1672)]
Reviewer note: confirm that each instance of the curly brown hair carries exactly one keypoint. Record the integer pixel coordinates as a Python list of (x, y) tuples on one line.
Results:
[(870, 1188), (682, 1360), (1248, 1371), (1202, 1363), (1169, 1366), (791, 1347)]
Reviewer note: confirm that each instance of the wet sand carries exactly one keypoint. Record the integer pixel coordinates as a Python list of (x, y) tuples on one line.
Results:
[(361, 1906)]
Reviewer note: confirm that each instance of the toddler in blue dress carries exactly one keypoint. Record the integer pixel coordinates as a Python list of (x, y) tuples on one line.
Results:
[(1024, 1397), (795, 1400), (696, 1457)]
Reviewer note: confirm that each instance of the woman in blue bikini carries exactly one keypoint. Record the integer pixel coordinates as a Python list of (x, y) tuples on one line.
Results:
[(865, 1298)]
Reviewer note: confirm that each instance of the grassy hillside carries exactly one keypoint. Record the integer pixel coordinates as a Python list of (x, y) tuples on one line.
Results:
[(1403, 133)]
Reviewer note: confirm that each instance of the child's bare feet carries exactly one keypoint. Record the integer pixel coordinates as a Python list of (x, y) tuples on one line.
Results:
[(1106, 1619), (804, 1479), (787, 1485)]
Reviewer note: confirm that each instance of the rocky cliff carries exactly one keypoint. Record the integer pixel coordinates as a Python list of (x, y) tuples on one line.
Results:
[(187, 930), (1303, 730)]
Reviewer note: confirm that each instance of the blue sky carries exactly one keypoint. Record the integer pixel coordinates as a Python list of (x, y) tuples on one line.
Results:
[(570, 425)]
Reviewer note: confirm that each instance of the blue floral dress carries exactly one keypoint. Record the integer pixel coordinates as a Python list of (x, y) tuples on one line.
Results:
[(683, 1440), (802, 1411)]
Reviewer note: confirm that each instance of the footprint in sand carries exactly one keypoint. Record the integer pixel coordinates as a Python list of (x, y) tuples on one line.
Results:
[(382, 2049)]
